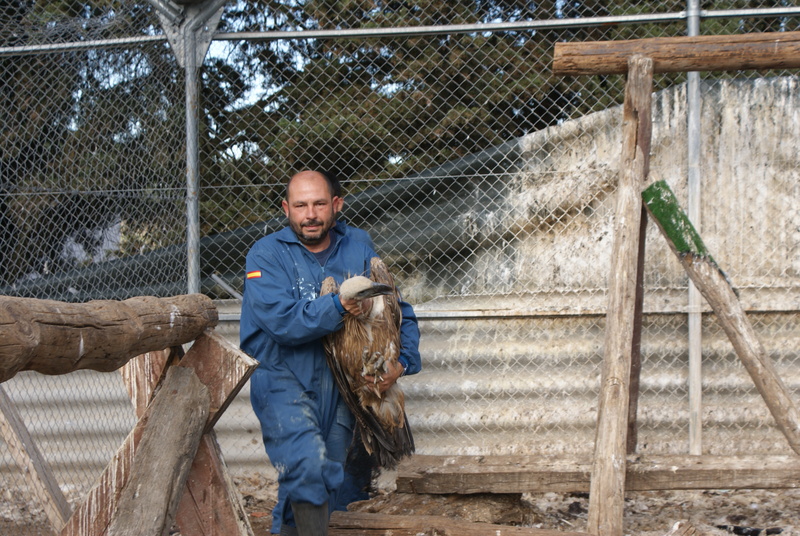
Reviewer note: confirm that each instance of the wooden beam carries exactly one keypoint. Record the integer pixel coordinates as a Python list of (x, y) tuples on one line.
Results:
[(565, 474), (91, 518), (30, 460), (171, 431), (607, 494), (367, 524), (54, 337), (776, 50), (712, 283)]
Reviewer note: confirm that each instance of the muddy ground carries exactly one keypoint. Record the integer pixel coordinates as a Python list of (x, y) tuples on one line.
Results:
[(719, 512), (743, 512)]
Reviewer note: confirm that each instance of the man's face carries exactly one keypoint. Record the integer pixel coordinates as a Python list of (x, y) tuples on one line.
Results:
[(311, 209)]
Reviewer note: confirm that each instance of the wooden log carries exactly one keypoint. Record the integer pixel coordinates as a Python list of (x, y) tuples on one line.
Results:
[(91, 518), (607, 494), (567, 474), (27, 455), (712, 283), (172, 428), (776, 50), (367, 524), (56, 337)]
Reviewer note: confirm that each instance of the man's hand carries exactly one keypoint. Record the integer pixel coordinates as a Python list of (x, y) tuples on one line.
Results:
[(352, 307), (356, 307), (388, 378)]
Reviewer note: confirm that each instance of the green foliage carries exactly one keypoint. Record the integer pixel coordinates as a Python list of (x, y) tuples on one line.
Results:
[(102, 131), (89, 137)]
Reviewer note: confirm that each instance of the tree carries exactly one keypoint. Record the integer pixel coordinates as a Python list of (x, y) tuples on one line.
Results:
[(383, 108), (87, 135)]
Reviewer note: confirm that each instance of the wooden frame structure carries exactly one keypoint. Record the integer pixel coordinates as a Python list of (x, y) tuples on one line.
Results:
[(169, 469), (613, 469)]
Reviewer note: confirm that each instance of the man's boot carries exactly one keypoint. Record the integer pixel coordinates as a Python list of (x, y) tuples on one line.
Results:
[(286, 530), (311, 520)]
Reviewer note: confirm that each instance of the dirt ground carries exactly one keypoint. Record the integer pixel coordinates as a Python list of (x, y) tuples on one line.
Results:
[(717, 513)]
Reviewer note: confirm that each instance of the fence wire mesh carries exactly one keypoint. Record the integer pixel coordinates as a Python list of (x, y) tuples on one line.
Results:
[(486, 182)]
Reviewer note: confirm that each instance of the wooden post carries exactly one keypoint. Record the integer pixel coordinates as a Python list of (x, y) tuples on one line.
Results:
[(223, 379), (54, 337), (607, 492), (715, 288), (773, 50), (27, 455), (173, 426)]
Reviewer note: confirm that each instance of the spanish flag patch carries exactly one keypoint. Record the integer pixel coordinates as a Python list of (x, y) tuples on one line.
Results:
[(254, 274)]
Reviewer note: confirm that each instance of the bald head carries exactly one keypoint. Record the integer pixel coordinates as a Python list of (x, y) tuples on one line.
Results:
[(333, 183)]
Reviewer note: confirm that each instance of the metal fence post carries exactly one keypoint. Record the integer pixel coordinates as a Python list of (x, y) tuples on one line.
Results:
[(695, 315), (192, 164)]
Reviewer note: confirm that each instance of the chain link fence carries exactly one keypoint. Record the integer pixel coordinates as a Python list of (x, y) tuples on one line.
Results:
[(486, 182)]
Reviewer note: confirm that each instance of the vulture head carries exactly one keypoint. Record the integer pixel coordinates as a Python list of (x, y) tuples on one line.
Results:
[(363, 289)]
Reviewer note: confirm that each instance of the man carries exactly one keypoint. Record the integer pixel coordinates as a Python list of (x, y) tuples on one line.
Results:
[(306, 426)]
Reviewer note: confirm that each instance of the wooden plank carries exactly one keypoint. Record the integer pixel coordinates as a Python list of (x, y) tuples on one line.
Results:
[(92, 516), (632, 439), (607, 491), (29, 458), (366, 524), (211, 503), (565, 474), (144, 373), (222, 367), (172, 428), (720, 295), (778, 50), (54, 337), (683, 528)]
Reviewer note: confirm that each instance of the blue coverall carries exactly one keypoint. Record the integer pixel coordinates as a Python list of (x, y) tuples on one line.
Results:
[(305, 424)]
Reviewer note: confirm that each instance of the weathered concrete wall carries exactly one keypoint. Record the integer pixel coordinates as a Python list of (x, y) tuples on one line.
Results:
[(550, 230)]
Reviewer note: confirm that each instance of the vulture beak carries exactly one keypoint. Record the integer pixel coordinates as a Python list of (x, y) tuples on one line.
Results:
[(377, 289)]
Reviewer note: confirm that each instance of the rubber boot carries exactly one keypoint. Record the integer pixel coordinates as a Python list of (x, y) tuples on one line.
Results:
[(311, 520), (287, 530)]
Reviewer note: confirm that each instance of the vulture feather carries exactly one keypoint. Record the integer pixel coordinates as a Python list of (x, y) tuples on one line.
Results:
[(365, 346)]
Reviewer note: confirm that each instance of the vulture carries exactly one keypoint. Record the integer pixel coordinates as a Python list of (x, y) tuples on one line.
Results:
[(365, 346)]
